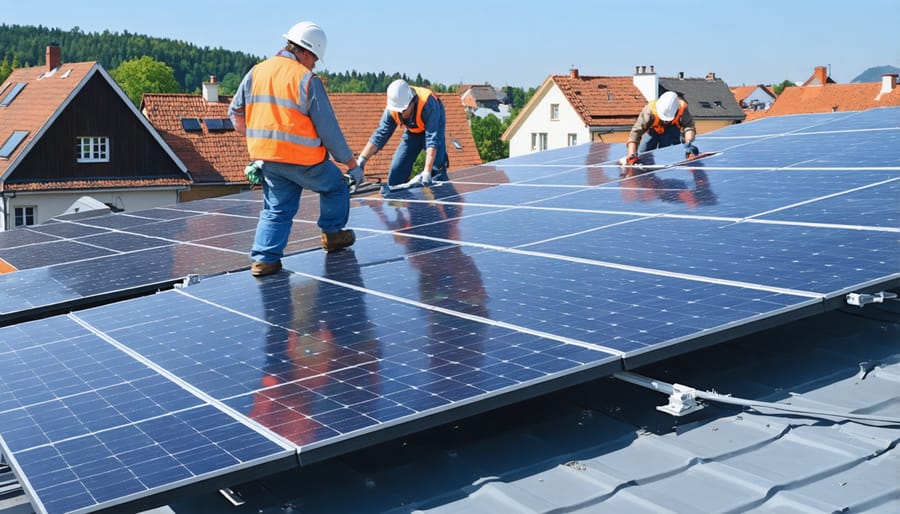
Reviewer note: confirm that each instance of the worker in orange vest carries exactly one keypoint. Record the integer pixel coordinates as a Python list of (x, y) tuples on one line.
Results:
[(661, 123)]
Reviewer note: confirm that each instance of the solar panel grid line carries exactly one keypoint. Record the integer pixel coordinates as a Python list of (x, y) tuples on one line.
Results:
[(275, 438), (825, 197), (619, 266), (463, 315), (813, 224)]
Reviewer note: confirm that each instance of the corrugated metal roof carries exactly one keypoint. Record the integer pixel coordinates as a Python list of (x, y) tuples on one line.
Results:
[(604, 447)]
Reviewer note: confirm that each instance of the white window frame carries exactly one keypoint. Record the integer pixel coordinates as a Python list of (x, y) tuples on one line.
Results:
[(554, 112), (92, 149), (542, 141), (25, 215), (572, 139)]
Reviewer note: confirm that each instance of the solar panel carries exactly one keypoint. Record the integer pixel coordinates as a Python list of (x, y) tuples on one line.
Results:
[(517, 278)]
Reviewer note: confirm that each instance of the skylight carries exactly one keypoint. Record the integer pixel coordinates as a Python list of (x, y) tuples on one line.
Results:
[(12, 143), (191, 125), (12, 94), (218, 124)]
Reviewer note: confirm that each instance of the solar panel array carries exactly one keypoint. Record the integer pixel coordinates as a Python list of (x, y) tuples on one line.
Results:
[(515, 279)]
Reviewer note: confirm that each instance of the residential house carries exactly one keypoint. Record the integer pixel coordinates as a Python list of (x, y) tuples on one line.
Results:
[(67, 131), (198, 129), (572, 109), (568, 110), (479, 96), (754, 98), (824, 95)]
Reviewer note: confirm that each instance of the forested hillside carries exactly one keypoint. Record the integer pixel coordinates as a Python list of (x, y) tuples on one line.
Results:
[(26, 45)]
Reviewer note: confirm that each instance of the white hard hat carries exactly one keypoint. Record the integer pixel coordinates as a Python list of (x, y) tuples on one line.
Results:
[(399, 94), (310, 36), (667, 106)]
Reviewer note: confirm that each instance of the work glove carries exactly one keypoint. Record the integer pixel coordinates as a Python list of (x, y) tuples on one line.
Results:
[(690, 150), (253, 172), (632, 159), (354, 178), (361, 162)]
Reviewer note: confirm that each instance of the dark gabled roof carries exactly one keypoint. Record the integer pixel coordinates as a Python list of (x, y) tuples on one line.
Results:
[(708, 98), (44, 97)]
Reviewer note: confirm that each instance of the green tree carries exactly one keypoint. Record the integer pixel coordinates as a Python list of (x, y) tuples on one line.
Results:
[(5, 69), (486, 132), (145, 75), (778, 88)]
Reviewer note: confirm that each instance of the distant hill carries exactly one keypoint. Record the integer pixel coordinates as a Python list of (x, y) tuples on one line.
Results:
[(26, 45), (874, 74)]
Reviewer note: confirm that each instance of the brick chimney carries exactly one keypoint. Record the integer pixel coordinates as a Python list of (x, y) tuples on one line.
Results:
[(53, 57), (821, 75), (211, 90), (888, 83), (646, 82), (573, 73)]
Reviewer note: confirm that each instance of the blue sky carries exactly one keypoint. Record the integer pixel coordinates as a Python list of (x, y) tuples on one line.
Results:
[(520, 43)]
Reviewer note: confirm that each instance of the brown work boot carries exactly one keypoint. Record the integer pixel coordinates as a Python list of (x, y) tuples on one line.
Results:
[(261, 269), (334, 241)]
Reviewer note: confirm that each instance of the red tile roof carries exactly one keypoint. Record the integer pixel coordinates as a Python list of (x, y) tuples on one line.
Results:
[(217, 157), (833, 97), (38, 103), (602, 101)]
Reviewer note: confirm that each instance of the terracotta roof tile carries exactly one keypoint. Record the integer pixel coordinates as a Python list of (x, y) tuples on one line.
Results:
[(212, 157), (833, 97), (602, 100)]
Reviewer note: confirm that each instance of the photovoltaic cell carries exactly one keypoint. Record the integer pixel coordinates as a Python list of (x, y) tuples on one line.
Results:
[(517, 278)]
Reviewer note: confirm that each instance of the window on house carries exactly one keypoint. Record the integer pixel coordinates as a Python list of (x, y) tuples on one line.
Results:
[(542, 141), (554, 112), (25, 215), (92, 149), (573, 139)]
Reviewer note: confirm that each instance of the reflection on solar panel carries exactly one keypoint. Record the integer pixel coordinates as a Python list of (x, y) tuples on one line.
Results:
[(191, 125), (517, 278)]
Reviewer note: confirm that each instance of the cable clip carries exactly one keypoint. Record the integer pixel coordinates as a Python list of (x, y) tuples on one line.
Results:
[(861, 299), (683, 400)]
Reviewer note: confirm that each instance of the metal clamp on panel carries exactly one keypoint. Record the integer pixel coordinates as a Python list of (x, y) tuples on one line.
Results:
[(861, 299), (683, 400), (189, 280)]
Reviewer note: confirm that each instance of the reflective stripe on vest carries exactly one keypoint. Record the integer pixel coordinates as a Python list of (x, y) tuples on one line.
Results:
[(658, 126), (278, 124), (423, 94)]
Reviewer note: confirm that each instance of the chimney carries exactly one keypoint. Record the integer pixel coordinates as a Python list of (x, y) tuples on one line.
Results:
[(710, 76), (647, 83), (211, 90), (888, 83), (54, 56), (821, 75), (573, 73), (680, 75)]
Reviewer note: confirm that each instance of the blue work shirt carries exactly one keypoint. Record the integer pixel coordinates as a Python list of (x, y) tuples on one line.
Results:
[(431, 115)]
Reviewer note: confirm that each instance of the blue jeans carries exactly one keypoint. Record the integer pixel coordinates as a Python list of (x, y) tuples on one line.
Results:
[(409, 148), (282, 185), (652, 140)]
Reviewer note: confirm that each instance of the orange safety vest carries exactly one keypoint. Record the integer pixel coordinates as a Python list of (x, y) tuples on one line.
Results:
[(278, 124), (658, 125), (423, 94)]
